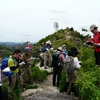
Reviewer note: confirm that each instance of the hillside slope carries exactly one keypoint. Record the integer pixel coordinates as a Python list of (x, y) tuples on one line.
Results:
[(66, 36)]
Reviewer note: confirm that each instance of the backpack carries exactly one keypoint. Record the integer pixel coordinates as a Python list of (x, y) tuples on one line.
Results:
[(69, 65), (4, 64), (56, 61)]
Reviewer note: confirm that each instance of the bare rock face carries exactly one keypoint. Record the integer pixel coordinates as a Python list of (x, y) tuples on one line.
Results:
[(46, 92), (31, 92)]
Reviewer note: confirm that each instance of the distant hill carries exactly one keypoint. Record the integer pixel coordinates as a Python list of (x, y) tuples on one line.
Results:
[(6, 48), (9, 43)]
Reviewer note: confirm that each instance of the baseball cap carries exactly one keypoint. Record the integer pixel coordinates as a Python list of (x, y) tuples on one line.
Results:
[(92, 27)]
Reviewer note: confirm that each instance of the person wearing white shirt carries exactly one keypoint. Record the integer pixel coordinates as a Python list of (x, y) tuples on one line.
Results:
[(71, 80)]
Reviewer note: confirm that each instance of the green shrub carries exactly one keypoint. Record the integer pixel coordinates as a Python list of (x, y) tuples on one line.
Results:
[(5, 92), (88, 84), (33, 86), (62, 82), (39, 75), (15, 96)]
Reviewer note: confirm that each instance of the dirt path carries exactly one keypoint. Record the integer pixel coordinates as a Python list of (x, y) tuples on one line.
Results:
[(48, 92)]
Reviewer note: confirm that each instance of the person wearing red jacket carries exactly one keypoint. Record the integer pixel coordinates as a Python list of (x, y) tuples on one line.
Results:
[(96, 43)]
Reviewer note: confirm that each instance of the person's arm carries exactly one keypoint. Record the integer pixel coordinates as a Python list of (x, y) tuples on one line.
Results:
[(12, 65), (13, 68), (76, 62), (62, 58)]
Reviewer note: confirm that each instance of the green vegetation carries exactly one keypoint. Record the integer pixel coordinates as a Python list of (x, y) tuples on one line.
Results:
[(39, 75), (88, 83)]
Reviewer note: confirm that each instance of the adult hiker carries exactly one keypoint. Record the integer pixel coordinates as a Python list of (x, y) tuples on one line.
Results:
[(47, 54), (96, 43), (64, 51), (26, 70), (57, 60), (71, 66), (14, 65), (29, 45), (42, 50)]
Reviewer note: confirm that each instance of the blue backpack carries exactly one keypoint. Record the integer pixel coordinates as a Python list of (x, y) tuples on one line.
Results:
[(4, 64)]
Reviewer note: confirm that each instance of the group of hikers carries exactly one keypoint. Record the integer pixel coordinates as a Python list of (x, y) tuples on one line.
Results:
[(60, 59), (67, 60)]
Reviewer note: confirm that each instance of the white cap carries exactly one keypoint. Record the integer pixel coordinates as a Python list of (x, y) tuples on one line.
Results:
[(92, 27), (48, 42), (59, 49)]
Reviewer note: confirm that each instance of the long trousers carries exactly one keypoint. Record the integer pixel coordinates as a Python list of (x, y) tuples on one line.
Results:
[(56, 76), (27, 72), (13, 80)]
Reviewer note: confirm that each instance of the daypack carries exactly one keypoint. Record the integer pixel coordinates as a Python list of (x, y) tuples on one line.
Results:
[(4, 64), (69, 65), (56, 61)]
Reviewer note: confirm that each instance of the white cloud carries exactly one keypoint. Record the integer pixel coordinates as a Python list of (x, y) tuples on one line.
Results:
[(33, 19)]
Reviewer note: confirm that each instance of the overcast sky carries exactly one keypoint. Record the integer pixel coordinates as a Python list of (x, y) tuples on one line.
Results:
[(31, 20)]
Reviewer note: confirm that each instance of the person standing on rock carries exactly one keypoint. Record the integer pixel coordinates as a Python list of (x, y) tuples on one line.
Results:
[(14, 66), (26, 70), (42, 50), (57, 60), (47, 54), (96, 43)]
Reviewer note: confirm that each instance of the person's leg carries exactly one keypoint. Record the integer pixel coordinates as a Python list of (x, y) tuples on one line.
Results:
[(74, 79), (49, 59), (97, 58), (45, 60), (58, 76), (29, 75), (12, 86), (59, 70), (66, 86), (54, 77), (41, 62), (20, 83), (24, 75)]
